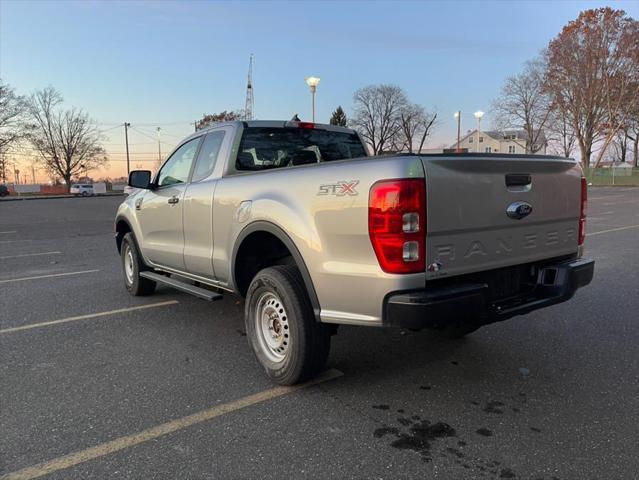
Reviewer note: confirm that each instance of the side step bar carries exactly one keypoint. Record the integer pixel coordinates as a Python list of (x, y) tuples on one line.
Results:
[(182, 286)]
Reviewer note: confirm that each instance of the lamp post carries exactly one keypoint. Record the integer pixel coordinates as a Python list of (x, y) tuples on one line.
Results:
[(458, 117), (478, 114), (312, 83)]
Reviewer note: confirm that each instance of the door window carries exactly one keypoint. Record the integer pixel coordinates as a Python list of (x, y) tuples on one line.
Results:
[(177, 168), (207, 158)]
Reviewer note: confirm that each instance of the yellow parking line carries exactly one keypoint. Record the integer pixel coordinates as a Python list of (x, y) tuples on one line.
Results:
[(86, 317), (127, 441), (30, 255), (612, 230), (47, 276)]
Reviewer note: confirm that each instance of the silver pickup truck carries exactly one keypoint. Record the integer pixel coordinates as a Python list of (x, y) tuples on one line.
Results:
[(313, 233)]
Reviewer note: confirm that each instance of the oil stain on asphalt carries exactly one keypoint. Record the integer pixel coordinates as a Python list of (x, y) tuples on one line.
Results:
[(418, 437), (430, 438)]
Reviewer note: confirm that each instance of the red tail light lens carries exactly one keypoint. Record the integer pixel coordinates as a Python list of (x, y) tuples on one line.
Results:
[(582, 213), (397, 224), (300, 124)]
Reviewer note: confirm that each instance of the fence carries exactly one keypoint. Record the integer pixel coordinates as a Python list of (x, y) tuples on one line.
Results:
[(614, 175)]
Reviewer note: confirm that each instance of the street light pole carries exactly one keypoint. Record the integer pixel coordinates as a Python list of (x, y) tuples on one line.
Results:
[(458, 117), (126, 139), (312, 83), (478, 114)]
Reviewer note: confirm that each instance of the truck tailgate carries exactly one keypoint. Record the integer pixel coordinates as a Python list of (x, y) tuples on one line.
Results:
[(468, 198)]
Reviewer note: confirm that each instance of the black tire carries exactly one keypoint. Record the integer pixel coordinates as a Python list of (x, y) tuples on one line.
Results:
[(85, 194), (134, 283), (281, 297)]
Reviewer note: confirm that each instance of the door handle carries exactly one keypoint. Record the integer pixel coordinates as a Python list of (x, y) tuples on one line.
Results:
[(173, 200), (518, 179)]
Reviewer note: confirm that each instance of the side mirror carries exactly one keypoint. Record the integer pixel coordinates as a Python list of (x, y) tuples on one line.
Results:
[(140, 179)]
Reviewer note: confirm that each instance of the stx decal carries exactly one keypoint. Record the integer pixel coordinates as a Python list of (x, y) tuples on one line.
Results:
[(339, 189)]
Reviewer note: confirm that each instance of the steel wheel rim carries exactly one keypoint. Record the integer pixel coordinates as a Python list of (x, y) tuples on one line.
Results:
[(272, 327), (128, 264)]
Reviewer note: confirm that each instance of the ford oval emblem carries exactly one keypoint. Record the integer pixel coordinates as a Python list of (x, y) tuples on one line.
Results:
[(519, 210)]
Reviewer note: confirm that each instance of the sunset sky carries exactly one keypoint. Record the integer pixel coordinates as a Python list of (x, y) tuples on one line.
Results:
[(167, 63)]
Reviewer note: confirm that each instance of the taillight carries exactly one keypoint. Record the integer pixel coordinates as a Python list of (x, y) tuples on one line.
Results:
[(300, 124), (582, 212), (397, 224)]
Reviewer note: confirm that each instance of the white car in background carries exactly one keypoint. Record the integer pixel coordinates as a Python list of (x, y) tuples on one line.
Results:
[(82, 189)]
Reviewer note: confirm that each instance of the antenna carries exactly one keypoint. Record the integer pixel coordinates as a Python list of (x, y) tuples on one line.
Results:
[(250, 102)]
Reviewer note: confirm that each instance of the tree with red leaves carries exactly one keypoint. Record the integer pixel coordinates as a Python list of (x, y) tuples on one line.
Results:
[(593, 76)]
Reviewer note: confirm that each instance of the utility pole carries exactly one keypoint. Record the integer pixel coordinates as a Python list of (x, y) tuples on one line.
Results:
[(458, 117), (126, 139), (159, 149), (3, 168), (33, 174), (478, 114)]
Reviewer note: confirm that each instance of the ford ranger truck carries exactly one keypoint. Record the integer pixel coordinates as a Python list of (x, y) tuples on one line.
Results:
[(296, 218)]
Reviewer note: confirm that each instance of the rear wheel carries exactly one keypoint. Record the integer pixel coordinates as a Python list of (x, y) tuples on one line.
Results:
[(132, 265), (288, 342)]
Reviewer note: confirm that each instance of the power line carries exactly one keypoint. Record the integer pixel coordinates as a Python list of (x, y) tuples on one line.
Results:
[(109, 129), (149, 134), (144, 124), (142, 133)]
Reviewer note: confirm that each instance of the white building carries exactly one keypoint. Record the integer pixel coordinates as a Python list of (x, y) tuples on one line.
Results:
[(493, 141)]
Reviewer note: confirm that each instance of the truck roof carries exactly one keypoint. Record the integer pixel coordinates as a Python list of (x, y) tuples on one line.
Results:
[(272, 124)]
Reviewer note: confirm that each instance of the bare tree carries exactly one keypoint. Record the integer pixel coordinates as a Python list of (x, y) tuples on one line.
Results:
[(631, 129), (377, 115), (66, 140), (592, 74), (561, 136), (13, 118), (524, 104), (633, 136), (225, 116), (416, 125)]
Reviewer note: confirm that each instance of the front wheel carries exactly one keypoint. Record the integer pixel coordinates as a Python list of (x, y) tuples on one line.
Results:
[(287, 340), (132, 265)]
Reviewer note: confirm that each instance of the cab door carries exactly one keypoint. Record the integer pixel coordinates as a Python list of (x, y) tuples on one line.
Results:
[(198, 202), (160, 210)]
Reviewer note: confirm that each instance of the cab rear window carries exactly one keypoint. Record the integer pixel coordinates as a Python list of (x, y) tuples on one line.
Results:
[(264, 148)]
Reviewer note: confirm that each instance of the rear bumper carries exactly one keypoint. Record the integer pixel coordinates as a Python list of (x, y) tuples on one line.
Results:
[(438, 307)]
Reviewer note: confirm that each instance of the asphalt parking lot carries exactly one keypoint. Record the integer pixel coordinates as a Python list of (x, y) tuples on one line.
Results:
[(93, 386)]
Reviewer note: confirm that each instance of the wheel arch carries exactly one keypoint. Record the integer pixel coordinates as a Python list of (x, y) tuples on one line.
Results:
[(121, 227), (268, 228)]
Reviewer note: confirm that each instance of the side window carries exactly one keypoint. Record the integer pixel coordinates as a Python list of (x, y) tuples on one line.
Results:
[(207, 158), (177, 168)]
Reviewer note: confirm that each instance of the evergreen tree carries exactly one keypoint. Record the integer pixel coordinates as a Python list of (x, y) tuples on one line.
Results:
[(338, 117)]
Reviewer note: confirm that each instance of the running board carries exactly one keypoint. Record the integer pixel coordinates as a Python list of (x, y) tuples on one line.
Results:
[(182, 286)]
